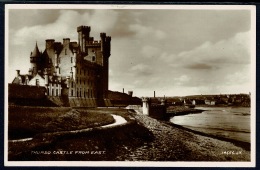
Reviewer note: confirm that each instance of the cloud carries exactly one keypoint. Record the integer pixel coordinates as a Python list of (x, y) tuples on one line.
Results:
[(147, 32), (233, 50), (103, 20), (56, 30), (199, 66), (150, 51), (171, 51), (141, 70)]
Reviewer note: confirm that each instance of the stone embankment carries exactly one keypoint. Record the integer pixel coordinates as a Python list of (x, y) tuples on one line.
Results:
[(181, 110)]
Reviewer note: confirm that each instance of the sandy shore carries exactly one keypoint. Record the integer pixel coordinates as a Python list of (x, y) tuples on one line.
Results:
[(175, 144)]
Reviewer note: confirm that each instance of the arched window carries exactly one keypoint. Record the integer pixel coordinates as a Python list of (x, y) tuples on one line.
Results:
[(93, 58)]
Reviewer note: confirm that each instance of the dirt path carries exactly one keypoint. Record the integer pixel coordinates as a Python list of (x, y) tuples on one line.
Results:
[(119, 120)]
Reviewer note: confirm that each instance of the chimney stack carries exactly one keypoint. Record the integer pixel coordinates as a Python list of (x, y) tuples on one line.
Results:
[(130, 93), (17, 73)]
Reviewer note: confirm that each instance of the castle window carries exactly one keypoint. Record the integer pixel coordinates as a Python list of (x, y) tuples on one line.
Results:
[(71, 60), (72, 84), (65, 51), (57, 92), (71, 92), (93, 58), (52, 92)]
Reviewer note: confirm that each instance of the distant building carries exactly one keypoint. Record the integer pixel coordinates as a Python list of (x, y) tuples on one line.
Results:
[(73, 69), (210, 102)]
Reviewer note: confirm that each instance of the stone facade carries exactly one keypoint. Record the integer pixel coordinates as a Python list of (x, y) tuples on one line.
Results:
[(72, 69)]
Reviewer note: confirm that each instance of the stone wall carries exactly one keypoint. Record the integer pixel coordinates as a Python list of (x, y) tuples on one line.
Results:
[(157, 111)]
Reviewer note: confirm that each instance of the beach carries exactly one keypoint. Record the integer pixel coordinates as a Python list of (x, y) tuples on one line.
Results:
[(175, 144), (141, 138)]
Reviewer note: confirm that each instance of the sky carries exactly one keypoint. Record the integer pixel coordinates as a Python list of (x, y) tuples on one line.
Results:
[(175, 52)]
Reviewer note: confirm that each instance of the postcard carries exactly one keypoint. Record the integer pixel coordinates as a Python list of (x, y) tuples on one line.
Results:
[(130, 85)]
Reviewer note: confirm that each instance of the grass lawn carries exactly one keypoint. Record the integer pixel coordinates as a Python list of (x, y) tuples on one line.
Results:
[(26, 122)]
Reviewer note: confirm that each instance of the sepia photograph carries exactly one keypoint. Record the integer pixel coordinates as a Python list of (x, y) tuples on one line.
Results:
[(130, 85)]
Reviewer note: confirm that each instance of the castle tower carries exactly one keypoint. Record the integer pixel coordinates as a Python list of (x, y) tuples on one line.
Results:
[(35, 60), (83, 37), (105, 49)]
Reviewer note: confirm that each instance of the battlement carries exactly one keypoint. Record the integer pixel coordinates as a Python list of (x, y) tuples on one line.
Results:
[(84, 28), (108, 38), (102, 35)]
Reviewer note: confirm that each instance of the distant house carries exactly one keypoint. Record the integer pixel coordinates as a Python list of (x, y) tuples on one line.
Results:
[(197, 101), (187, 102), (175, 101), (210, 102)]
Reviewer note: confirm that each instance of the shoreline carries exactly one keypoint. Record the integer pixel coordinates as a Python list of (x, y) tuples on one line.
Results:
[(142, 138), (181, 110), (244, 145), (187, 145)]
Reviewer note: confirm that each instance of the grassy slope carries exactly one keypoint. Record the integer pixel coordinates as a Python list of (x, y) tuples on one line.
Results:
[(28, 121)]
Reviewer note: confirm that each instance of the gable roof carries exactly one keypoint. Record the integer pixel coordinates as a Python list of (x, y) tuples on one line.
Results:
[(21, 77)]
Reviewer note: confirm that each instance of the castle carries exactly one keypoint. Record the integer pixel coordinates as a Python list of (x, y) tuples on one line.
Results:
[(71, 69)]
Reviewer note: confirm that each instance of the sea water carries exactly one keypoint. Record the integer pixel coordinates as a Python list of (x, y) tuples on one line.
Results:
[(227, 122)]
